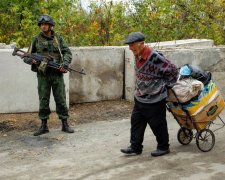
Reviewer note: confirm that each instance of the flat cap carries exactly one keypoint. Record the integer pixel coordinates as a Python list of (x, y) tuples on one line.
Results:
[(135, 37)]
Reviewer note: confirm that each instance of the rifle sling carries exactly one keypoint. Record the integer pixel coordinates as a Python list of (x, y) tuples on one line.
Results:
[(59, 48)]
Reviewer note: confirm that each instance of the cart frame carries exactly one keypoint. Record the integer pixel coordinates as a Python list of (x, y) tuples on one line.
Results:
[(205, 138)]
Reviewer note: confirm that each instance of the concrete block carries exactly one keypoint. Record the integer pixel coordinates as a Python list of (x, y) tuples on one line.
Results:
[(185, 43), (104, 80), (110, 73), (19, 85)]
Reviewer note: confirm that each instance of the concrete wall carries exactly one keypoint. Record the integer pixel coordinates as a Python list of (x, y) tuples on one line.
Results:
[(104, 67), (18, 85), (208, 58), (110, 73), (183, 43)]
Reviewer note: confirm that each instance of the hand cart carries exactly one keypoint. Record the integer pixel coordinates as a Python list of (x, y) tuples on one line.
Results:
[(198, 115)]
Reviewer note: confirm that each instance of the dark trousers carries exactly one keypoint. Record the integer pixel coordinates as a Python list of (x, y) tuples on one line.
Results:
[(154, 115)]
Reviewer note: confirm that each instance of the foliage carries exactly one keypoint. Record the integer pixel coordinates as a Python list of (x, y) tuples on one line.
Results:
[(108, 23)]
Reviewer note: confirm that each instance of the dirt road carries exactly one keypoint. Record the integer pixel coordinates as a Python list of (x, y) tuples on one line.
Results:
[(79, 114), (93, 152)]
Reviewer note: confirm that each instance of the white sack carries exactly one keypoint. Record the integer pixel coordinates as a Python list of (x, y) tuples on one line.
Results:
[(185, 90)]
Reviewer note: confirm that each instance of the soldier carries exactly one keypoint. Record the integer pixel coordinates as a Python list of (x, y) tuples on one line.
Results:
[(47, 42)]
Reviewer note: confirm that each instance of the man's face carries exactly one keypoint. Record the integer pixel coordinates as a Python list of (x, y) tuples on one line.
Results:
[(136, 47), (45, 27)]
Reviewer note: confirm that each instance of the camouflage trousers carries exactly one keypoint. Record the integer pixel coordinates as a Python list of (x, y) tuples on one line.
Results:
[(55, 82)]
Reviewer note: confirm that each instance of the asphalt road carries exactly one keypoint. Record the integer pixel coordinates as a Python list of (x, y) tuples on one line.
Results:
[(93, 152)]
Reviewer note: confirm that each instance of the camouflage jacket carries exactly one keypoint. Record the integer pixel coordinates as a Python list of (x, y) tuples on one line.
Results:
[(54, 46)]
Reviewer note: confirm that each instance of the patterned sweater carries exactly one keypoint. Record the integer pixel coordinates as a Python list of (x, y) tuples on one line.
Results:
[(153, 77)]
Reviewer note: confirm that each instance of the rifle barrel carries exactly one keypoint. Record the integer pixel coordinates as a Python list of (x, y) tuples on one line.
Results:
[(81, 72), (39, 57)]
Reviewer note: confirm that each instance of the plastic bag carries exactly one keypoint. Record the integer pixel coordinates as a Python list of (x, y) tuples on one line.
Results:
[(195, 72), (184, 90)]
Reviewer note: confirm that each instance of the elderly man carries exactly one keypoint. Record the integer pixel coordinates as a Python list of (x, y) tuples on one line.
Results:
[(154, 75)]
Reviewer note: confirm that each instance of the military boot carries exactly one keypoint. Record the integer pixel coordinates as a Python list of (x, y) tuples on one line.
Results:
[(65, 127), (43, 129)]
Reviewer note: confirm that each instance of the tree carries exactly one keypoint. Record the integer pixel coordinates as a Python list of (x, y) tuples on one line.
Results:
[(108, 23)]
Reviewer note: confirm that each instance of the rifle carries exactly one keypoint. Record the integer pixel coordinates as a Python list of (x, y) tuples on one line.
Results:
[(40, 58)]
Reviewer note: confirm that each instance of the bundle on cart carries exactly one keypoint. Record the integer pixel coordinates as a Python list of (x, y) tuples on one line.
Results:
[(195, 102), (202, 109)]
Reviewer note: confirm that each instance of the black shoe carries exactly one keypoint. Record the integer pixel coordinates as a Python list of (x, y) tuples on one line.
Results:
[(65, 127), (159, 152), (130, 150), (42, 130)]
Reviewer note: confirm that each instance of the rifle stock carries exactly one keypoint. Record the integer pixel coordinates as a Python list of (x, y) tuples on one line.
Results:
[(39, 58)]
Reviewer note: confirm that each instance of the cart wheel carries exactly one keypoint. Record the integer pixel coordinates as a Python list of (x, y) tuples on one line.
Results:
[(184, 136), (205, 140)]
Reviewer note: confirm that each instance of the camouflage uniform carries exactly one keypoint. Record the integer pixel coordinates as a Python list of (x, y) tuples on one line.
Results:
[(48, 43), (53, 78)]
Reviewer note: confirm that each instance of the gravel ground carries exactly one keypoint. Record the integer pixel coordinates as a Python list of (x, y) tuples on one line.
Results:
[(93, 151), (79, 114)]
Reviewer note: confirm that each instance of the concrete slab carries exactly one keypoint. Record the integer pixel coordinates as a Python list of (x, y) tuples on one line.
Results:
[(93, 152), (104, 67), (18, 87), (185, 43)]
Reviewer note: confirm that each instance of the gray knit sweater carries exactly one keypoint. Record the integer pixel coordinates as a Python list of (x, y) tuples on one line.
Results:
[(153, 78)]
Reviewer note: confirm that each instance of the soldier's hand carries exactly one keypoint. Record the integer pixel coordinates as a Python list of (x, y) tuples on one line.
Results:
[(34, 61), (62, 69)]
